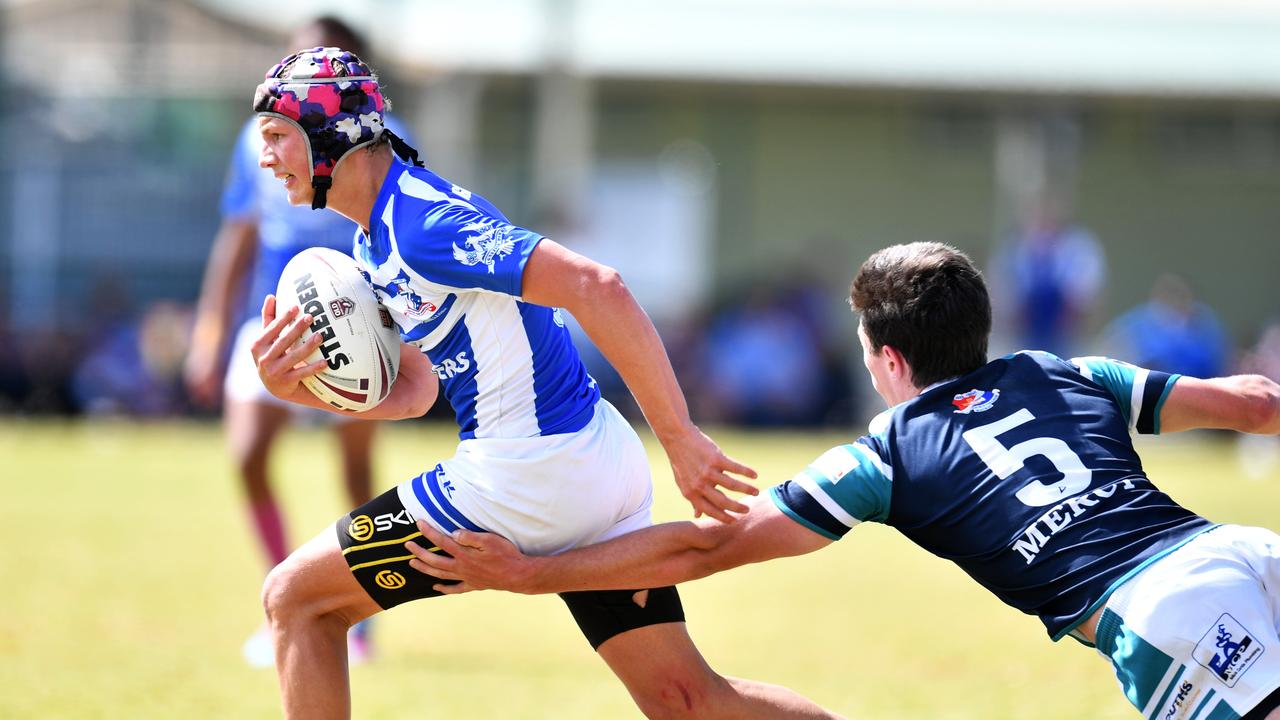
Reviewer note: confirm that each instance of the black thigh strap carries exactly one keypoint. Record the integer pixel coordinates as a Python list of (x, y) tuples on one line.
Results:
[(372, 538)]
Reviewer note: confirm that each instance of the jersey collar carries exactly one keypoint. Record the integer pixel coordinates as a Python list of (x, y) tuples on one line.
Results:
[(389, 185)]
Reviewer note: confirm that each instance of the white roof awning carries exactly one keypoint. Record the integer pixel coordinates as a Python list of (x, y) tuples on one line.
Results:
[(1210, 48)]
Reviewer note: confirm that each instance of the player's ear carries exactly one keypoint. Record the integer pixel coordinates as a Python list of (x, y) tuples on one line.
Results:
[(896, 362)]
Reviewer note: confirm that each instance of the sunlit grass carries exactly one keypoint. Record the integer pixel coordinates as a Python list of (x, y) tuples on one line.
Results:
[(130, 581)]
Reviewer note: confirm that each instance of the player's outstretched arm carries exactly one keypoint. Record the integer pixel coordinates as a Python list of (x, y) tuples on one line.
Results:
[(280, 360), (660, 555), (233, 251), (1246, 403), (595, 294)]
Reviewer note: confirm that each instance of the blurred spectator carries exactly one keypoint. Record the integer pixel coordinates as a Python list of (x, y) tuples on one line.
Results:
[(764, 367), (12, 379), (33, 378), (1264, 358), (1171, 332), (1259, 455), (1046, 281), (817, 306), (134, 366), (36, 370)]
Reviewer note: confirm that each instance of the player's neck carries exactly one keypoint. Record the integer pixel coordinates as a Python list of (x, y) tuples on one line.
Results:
[(900, 384), (357, 183), (902, 393), (910, 391)]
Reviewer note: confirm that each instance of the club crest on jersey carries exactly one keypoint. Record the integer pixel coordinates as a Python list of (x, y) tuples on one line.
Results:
[(975, 401), (415, 305), (489, 245)]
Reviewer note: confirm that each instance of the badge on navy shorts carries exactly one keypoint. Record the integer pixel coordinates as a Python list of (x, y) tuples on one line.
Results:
[(1228, 650)]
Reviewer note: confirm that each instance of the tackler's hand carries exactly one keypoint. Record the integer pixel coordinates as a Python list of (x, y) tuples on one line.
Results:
[(476, 561)]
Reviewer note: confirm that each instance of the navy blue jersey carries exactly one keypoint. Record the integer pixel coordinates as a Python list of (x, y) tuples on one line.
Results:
[(1022, 472)]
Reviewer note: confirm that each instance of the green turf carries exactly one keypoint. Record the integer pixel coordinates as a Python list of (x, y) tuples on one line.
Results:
[(130, 581)]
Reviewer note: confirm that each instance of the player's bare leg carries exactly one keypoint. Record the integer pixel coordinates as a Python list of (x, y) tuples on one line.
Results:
[(355, 443), (311, 599), (251, 428), (668, 678), (355, 440)]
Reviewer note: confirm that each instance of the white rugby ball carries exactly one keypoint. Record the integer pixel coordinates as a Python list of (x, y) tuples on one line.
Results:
[(361, 343)]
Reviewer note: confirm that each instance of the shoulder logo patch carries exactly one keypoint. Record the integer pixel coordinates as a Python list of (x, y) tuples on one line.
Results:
[(489, 245), (975, 401), (836, 463)]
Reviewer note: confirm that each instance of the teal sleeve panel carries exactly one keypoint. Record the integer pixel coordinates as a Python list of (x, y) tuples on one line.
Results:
[(846, 485), (1140, 393)]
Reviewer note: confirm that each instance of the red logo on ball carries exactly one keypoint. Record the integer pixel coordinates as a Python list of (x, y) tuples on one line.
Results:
[(341, 307)]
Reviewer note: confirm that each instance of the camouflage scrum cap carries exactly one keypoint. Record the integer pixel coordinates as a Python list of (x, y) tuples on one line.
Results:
[(334, 98)]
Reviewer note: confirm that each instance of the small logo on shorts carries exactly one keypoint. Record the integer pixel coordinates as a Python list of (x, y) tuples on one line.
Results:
[(1228, 649), (361, 528), (1180, 701), (389, 580)]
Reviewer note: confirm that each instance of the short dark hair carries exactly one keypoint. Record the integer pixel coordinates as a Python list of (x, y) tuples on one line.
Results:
[(331, 30), (338, 33), (929, 302)]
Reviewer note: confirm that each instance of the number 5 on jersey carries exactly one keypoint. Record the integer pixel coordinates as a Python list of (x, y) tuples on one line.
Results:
[(1005, 461)]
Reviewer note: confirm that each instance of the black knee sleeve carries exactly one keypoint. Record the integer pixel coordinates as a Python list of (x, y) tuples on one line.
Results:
[(602, 614)]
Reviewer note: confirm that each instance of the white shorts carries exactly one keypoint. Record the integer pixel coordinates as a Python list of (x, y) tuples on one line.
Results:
[(243, 385), (1197, 633), (546, 494)]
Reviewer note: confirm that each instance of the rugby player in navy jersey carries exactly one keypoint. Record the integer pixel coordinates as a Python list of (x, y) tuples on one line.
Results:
[(1021, 471), (544, 460)]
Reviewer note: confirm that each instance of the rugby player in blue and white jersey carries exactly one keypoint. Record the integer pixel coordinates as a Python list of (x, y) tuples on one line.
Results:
[(259, 234), (544, 460), (1021, 471)]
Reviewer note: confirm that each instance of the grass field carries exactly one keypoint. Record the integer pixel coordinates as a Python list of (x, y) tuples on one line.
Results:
[(129, 582)]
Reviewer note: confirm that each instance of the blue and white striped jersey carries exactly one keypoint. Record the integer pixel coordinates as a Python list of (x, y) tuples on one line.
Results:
[(449, 267), (1022, 472)]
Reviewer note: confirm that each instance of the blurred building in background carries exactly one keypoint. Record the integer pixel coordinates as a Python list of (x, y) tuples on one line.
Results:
[(704, 147), (118, 119)]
